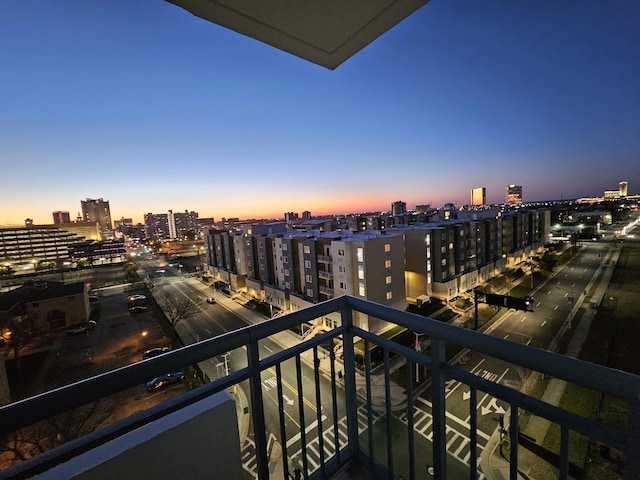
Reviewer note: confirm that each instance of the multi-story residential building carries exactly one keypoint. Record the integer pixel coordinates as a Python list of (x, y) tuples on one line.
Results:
[(97, 210), (297, 269), (398, 207), (513, 195), (171, 225), (156, 225), (61, 217)]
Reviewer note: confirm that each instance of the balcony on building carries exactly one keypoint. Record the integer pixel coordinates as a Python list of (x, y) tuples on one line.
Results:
[(204, 432)]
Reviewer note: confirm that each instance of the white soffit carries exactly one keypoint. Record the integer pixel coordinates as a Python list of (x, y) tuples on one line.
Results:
[(325, 32)]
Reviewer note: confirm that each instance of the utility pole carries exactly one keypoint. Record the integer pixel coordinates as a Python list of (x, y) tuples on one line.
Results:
[(475, 302)]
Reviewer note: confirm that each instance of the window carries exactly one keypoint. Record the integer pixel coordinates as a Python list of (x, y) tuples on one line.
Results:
[(343, 286), (308, 278), (387, 264), (361, 291), (287, 285), (428, 278), (307, 264), (341, 252), (428, 266), (360, 254), (444, 237), (286, 272), (428, 253), (451, 246), (444, 262), (286, 259), (342, 268), (387, 279), (389, 295), (443, 249), (428, 239), (309, 292), (387, 247), (306, 249), (284, 247), (444, 274), (361, 272)]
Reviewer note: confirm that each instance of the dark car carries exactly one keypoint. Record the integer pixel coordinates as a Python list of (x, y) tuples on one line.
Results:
[(211, 300), (164, 381), (155, 351)]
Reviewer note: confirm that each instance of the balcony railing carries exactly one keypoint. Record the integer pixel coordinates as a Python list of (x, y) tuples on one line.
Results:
[(347, 426)]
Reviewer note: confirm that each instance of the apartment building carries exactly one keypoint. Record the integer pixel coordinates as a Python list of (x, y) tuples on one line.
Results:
[(98, 210), (298, 269)]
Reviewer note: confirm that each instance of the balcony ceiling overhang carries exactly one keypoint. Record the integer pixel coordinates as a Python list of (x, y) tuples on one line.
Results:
[(325, 32)]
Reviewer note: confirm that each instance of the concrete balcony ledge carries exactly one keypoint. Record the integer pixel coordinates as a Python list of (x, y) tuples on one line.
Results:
[(192, 442)]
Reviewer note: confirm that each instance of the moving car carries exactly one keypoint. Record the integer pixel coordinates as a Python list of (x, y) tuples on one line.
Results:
[(164, 381), (211, 300), (155, 352)]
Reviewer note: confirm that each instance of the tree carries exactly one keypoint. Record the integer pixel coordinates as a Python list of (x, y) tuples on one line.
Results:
[(549, 260), (177, 309), (42, 436)]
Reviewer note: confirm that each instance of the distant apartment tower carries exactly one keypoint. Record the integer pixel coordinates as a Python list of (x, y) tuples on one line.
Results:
[(398, 207), (623, 189), (97, 210), (478, 197), (61, 217), (514, 194)]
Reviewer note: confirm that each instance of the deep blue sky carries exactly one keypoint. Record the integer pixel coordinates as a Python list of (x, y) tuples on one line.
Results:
[(151, 108)]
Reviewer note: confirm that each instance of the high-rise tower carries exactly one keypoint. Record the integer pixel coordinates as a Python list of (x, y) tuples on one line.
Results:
[(97, 211), (514, 194), (478, 197)]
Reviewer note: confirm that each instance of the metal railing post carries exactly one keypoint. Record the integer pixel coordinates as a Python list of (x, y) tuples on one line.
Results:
[(439, 408), (350, 379), (257, 410)]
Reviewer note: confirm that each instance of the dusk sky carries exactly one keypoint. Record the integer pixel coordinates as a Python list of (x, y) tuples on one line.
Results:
[(147, 106)]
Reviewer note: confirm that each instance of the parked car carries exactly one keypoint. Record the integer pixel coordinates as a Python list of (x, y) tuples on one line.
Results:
[(211, 300), (133, 298), (83, 327), (164, 381), (155, 351)]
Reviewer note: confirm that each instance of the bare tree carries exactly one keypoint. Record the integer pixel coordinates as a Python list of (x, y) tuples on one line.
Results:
[(42, 436), (175, 308)]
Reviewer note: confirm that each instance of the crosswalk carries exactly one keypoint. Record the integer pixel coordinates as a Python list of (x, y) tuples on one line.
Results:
[(458, 444)]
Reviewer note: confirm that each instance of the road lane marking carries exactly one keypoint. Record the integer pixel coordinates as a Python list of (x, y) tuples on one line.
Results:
[(294, 391), (556, 307)]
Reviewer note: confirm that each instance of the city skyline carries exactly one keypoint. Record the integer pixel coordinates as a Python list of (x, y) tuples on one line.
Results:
[(154, 109)]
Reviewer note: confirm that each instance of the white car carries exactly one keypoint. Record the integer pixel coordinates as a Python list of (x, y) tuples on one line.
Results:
[(83, 327)]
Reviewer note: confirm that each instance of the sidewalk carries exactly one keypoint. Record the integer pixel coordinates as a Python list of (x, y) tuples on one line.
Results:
[(495, 466)]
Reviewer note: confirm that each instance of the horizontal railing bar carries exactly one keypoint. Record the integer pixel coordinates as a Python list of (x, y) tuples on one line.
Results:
[(554, 414), (596, 377)]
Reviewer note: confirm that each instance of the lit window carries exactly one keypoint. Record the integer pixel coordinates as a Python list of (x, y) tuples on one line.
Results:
[(387, 264), (389, 295), (428, 253), (428, 266), (360, 254), (361, 272), (308, 278), (341, 252), (307, 264), (444, 262), (428, 239), (286, 272), (443, 250), (361, 291), (306, 249), (387, 247), (388, 279), (284, 247), (428, 278)]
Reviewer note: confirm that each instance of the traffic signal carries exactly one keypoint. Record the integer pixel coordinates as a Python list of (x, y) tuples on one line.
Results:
[(495, 299), (518, 303)]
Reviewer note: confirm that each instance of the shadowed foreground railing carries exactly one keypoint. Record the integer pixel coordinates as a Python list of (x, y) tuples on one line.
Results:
[(350, 394)]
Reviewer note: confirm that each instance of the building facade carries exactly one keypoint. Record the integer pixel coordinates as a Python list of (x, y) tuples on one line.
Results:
[(513, 195), (98, 210)]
